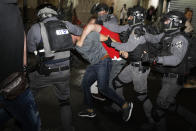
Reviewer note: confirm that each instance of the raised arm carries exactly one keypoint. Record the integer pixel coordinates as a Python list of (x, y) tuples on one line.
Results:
[(89, 28)]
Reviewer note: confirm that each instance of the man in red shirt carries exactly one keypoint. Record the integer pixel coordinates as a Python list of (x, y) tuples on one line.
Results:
[(114, 54)]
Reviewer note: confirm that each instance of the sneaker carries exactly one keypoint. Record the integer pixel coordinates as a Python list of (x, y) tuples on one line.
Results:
[(86, 113), (127, 112), (98, 97)]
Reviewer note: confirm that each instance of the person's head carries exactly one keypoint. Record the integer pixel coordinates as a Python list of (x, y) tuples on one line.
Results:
[(136, 15), (151, 10), (188, 14), (45, 11), (172, 21), (124, 5), (100, 9)]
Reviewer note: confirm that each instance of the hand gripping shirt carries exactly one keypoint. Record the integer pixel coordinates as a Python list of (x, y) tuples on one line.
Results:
[(113, 53)]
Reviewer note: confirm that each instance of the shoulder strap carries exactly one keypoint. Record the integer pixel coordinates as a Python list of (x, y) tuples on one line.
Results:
[(48, 52)]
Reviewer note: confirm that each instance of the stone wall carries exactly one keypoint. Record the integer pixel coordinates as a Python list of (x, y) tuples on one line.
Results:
[(83, 9), (84, 6)]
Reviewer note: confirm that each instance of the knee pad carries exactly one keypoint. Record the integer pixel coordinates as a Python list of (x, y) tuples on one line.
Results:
[(173, 107), (158, 113), (64, 102), (142, 97), (165, 103)]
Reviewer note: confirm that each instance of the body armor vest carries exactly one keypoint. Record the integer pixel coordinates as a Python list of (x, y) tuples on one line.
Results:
[(137, 53), (58, 35), (59, 42), (179, 69)]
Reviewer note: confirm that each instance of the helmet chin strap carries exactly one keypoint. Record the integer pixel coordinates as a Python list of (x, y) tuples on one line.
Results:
[(170, 27), (133, 20), (134, 24)]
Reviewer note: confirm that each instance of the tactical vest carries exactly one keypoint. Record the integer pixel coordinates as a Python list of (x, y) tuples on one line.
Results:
[(54, 49), (136, 54), (58, 35), (179, 69), (55, 38)]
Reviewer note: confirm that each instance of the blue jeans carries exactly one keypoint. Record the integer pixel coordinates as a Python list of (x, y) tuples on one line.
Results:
[(23, 109), (101, 73)]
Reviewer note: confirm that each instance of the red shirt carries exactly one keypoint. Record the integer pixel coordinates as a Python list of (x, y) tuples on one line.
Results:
[(111, 51)]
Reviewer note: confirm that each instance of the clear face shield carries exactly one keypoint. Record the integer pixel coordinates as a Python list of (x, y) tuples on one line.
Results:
[(136, 18), (172, 23)]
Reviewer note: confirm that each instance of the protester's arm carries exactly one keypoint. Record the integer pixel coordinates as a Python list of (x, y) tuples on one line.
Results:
[(89, 28), (93, 37), (104, 38)]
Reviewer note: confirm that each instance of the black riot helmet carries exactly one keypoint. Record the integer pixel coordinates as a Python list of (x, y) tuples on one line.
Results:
[(138, 13), (173, 21), (46, 10), (99, 7)]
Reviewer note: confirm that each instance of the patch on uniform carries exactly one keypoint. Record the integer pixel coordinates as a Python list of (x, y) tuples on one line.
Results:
[(178, 44), (62, 32)]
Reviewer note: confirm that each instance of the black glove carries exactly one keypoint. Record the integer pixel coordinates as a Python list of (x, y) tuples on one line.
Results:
[(108, 42), (139, 32), (146, 59), (152, 29), (100, 22), (124, 36)]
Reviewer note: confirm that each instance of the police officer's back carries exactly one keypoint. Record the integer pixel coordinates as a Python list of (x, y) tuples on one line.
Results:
[(50, 40)]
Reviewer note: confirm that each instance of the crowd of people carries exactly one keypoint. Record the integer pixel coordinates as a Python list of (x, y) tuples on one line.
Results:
[(117, 55)]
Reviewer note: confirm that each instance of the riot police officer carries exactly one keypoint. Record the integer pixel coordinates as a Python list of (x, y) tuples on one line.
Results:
[(102, 10), (51, 41), (134, 72), (171, 63)]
